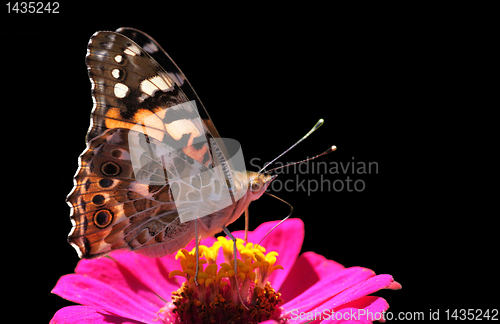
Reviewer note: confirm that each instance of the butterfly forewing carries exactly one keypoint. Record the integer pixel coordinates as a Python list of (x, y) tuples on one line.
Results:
[(127, 84), (159, 55)]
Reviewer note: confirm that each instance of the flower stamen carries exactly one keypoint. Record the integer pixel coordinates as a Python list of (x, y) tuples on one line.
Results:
[(216, 298)]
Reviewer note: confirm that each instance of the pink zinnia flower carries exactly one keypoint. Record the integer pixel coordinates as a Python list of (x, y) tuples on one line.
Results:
[(131, 288)]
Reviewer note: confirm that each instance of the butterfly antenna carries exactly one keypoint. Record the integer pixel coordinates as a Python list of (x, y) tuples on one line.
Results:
[(318, 124), (330, 150), (284, 219)]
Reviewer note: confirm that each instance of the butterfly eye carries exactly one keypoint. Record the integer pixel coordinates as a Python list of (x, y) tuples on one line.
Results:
[(256, 185)]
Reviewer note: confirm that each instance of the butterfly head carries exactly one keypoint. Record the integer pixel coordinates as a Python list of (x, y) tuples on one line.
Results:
[(258, 183)]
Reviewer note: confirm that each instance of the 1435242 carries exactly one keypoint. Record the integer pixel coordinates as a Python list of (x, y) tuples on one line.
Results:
[(32, 7), (472, 314)]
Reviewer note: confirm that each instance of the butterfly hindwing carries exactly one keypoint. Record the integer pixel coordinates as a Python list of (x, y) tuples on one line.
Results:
[(112, 210)]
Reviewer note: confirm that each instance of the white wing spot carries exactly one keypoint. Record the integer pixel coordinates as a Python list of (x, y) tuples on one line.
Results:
[(149, 86), (118, 58), (179, 79), (115, 73), (111, 37), (143, 97), (132, 50), (178, 128), (150, 47), (121, 90), (100, 54)]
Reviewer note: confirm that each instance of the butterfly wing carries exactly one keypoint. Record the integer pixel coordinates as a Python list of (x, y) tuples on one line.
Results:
[(160, 55), (111, 208)]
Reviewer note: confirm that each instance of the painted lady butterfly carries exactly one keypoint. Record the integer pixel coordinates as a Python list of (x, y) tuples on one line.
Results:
[(143, 102), (155, 173)]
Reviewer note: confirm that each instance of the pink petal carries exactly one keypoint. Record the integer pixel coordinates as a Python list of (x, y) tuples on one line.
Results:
[(92, 292), (307, 270), (328, 287), (355, 292), (371, 303), (151, 272), (86, 314), (395, 286), (286, 239), (364, 310), (117, 276), (135, 275)]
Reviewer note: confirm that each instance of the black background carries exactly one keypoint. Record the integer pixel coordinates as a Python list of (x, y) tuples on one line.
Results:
[(378, 76)]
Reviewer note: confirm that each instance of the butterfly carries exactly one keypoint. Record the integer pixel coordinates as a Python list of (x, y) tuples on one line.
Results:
[(155, 174), (142, 101)]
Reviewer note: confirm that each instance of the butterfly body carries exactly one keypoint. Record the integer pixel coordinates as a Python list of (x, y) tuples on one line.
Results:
[(151, 158)]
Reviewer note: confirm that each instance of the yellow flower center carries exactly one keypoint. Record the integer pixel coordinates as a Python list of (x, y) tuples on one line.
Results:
[(220, 291)]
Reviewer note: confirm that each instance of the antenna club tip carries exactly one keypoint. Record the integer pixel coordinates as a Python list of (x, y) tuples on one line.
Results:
[(331, 149)]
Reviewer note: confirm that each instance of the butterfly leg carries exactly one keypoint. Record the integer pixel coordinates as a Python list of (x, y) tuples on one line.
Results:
[(247, 221), (228, 233), (197, 251)]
